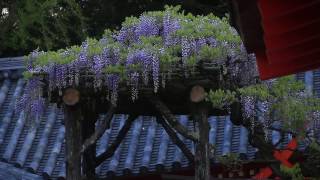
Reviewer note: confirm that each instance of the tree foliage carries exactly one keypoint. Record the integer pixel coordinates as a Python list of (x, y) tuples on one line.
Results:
[(41, 24), (102, 14), (55, 24)]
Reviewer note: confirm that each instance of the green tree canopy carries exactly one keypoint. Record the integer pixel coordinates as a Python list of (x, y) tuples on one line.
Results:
[(31, 24), (55, 24)]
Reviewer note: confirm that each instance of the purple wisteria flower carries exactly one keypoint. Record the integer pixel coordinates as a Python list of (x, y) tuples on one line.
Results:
[(32, 102), (98, 65), (112, 81), (170, 26), (155, 73), (127, 35), (248, 104), (147, 27), (141, 58), (82, 60), (186, 49), (134, 79)]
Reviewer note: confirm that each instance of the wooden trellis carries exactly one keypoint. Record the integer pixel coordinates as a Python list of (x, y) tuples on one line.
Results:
[(183, 94)]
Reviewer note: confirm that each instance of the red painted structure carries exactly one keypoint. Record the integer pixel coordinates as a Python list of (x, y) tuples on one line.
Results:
[(281, 155), (291, 36), (247, 171), (288, 38)]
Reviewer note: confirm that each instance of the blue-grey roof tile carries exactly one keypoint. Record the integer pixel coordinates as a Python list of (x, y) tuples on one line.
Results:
[(6, 120), (308, 80), (132, 149), (226, 147), (220, 136), (163, 147), (43, 142), (213, 130), (316, 82), (275, 135), (235, 139), (177, 152), (14, 138), (52, 160), (243, 141), (11, 63), (147, 150), (3, 91)]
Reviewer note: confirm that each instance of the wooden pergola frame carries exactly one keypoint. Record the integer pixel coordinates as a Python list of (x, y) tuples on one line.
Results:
[(182, 95), (81, 116)]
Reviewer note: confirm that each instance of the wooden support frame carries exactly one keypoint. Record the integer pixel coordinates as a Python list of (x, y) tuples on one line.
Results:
[(164, 111), (113, 147), (199, 109), (176, 140), (89, 114), (72, 116), (73, 125), (102, 127), (202, 154)]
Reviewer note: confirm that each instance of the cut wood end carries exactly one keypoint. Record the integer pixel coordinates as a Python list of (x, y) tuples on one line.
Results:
[(197, 94), (71, 96)]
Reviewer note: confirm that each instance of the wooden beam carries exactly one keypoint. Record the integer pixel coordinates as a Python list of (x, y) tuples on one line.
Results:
[(171, 119), (71, 96), (197, 94), (176, 140), (102, 127), (113, 147)]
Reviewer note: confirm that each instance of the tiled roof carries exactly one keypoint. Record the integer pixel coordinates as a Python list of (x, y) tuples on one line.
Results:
[(11, 63), (9, 172), (39, 147)]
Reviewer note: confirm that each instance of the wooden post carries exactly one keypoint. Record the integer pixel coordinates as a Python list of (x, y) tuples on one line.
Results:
[(88, 128), (72, 118), (200, 114)]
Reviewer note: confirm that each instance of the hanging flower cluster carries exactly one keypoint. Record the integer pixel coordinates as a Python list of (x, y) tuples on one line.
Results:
[(283, 100), (144, 52)]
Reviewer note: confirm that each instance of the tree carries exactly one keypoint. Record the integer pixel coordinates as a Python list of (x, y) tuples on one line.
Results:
[(55, 24), (166, 62), (110, 14), (48, 25)]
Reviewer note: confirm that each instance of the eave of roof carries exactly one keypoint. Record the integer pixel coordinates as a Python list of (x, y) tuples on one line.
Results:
[(283, 34)]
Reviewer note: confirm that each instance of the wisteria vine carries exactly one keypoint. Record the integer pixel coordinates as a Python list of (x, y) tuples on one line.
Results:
[(146, 51), (141, 53)]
